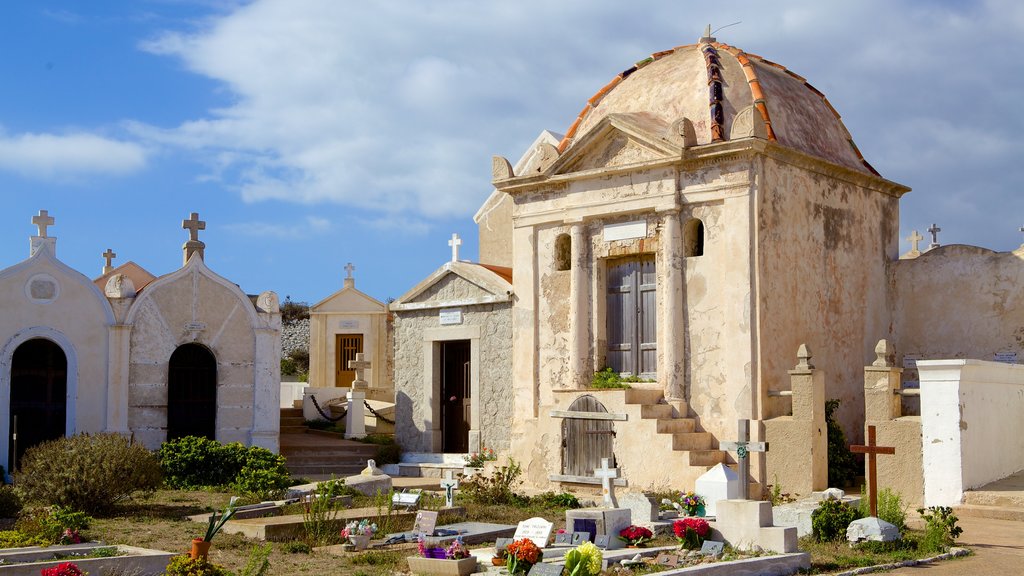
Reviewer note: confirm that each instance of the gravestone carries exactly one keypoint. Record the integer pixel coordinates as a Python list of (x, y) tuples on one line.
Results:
[(538, 530), (743, 447), (643, 509), (370, 481), (426, 521), (719, 483), (599, 521)]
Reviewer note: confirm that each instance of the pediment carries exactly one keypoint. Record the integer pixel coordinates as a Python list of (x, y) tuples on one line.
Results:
[(456, 284), (349, 300), (618, 140)]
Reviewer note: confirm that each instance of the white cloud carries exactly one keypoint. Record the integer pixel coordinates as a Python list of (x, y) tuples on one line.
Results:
[(62, 156), (312, 225)]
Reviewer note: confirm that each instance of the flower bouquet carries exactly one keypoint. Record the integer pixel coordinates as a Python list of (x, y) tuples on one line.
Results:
[(454, 559), (359, 533), (583, 560), (691, 531), (477, 459), (456, 550), (635, 535), (693, 503), (522, 555), (63, 569)]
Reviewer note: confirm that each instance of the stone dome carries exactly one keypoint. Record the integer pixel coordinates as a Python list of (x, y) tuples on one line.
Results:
[(716, 87)]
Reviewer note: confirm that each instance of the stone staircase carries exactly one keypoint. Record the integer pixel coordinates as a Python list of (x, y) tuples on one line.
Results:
[(318, 455), (1000, 500)]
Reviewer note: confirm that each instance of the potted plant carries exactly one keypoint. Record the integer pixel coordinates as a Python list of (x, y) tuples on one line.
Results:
[(359, 533), (201, 546), (453, 559), (692, 503), (635, 536), (521, 555), (691, 531), (475, 461)]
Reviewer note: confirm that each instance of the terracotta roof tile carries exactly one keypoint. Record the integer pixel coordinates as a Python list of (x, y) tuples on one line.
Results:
[(644, 62)]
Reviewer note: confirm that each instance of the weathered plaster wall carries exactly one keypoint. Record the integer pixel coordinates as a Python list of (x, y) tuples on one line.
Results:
[(495, 230), (822, 248)]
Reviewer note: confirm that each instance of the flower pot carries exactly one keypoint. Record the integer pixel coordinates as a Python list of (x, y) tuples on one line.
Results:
[(497, 561), (360, 541), (426, 566), (200, 548)]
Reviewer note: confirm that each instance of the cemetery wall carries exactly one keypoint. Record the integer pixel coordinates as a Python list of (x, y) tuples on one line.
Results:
[(972, 432)]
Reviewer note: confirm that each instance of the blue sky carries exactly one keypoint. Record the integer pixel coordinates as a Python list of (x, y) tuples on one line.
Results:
[(311, 133)]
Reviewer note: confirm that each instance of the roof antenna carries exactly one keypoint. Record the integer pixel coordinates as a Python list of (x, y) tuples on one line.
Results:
[(723, 27)]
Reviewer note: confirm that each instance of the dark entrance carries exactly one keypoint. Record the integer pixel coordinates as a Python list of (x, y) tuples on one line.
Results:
[(39, 392), (632, 316), (455, 396), (192, 393), (586, 441)]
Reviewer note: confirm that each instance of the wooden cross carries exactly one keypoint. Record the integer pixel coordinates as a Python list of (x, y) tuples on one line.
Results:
[(348, 269), (455, 242), (42, 221), (915, 239), (449, 484), (742, 447), (872, 450), (359, 365), (607, 476), (109, 255), (934, 231), (193, 225)]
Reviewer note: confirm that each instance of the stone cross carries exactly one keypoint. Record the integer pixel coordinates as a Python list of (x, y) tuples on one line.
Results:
[(355, 426), (108, 256), (915, 239), (449, 484), (359, 364), (1021, 229), (42, 221), (742, 447), (193, 225), (348, 269), (934, 231), (873, 450), (607, 476), (455, 242)]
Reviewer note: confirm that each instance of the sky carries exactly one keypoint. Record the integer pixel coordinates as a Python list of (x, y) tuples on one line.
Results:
[(312, 133)]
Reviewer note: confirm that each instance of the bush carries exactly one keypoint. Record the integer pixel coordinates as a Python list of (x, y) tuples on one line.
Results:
[(262, 474), (51, 524), (88, 472), (941, 530), (830, 520), (562, 500), (194, 462), (293, 311), (497, 488), (18, 539), (842, 465), (297, 547), (185, 566), (890, 507), (10, 502)]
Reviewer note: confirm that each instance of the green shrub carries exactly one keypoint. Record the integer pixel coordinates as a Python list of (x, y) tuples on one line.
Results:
[(263, 474), (258, 562), (194, 462), (288, 367), (560, 500), (18, 539), (297, 547), (185, 566), (49, 524), (890, 507), (940, 530), (498, 488), (88, 472), (830, 520), (842, 465), (10, 502)]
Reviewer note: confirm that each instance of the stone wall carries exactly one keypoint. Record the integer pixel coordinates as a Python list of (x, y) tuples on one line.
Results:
[(295, 336)]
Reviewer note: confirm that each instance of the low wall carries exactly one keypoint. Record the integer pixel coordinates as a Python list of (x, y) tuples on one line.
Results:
[(971, 425)]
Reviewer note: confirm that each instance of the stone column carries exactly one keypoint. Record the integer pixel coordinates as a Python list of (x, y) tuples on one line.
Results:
[(266, 418), (671, 369), (797, 458), (117, 368), (579, 310), (881, 384)]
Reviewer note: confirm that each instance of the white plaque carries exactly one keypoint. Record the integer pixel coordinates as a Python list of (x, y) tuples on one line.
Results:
[(195, 326), (536, 529), (449, 316), (1005, 357), (348, 324), (625, 230)]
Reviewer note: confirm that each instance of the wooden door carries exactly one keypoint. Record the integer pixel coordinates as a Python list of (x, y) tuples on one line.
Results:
[(39, 371), (584, 441), (632, 316), (347, 346), (192, 393), (455, 396)]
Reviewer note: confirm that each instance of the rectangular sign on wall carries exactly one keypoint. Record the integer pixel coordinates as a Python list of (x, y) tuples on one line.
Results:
[(349, 324), (625, 230), (449, 316)]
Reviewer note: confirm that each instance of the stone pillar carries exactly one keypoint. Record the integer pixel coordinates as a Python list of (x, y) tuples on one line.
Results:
[(797, 459), (881, 386), (117, 368), (266, 417), (355, 417), (671, 370), (579, 311)]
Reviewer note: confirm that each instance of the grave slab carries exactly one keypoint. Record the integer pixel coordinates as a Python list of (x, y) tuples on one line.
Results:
[(471, 533), (141, 561), (290, 527), (643, 509)]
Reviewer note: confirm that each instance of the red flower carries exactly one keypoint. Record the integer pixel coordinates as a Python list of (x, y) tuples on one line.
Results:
[(63, 569), (635, 534), (699, 525)]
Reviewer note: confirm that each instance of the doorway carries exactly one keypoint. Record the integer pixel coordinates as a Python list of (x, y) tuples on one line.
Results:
[(586, 441), (38, 410), (455, 396), (346, 346), (632, 315), (192, 393)]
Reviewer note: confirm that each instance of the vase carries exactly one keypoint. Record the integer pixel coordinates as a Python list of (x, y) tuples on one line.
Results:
[(360, 541), (463, 567), (497, 561), (200, 549)]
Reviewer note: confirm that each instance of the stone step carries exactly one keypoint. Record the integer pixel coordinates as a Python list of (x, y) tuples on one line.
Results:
[(993, 512), (291, 412), (687, 441), (347, 448), (676, 425), (707, 458), (643, 396), (1006, 499), (656, 411), (293, 421), (340, 470), (327, 459)]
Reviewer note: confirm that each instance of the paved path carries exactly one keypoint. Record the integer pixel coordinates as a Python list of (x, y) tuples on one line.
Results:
[(998, 547)]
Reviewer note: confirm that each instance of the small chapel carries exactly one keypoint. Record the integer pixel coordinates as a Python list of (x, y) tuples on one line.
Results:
[(128, 352)]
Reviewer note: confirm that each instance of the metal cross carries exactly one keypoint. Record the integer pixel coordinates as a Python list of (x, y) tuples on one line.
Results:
[(934, 230), (42, 221), (915, 239), (455, 242), (449, 484), (742, 447), (193, 225), (348, 269), (873, 450), (607, 476)]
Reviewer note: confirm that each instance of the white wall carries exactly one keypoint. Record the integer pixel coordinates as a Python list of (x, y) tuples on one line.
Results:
[(972, 425)]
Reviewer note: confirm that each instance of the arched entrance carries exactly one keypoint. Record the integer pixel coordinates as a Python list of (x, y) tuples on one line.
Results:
[(586, 441), (39, 395), (192, 393)]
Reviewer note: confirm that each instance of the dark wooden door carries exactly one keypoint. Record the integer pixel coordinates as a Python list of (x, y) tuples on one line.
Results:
[(192, 393), (347, 345), (586, 441), (455, 396), (632, 314), (39, 390)]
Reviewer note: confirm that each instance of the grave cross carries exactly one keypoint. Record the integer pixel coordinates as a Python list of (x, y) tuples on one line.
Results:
[(873, 450), (742, 447), (193, 225), (934, 231), (607, 476), (359, 364), (42, 221), (455, 242), (348, 269), (449, 484), (915, 239), (109, 256), (1021, 229)]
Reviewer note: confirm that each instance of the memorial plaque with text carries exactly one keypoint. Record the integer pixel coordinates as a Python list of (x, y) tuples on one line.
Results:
[(538, 530), (426, 521)]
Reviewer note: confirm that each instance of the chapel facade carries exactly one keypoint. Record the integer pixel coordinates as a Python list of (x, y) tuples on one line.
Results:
[(154, 358)]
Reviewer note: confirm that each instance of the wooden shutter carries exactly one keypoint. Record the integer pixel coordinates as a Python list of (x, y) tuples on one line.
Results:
[(632, 314)]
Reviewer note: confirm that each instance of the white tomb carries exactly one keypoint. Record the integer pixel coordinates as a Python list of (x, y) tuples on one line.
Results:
[(719, 483)]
